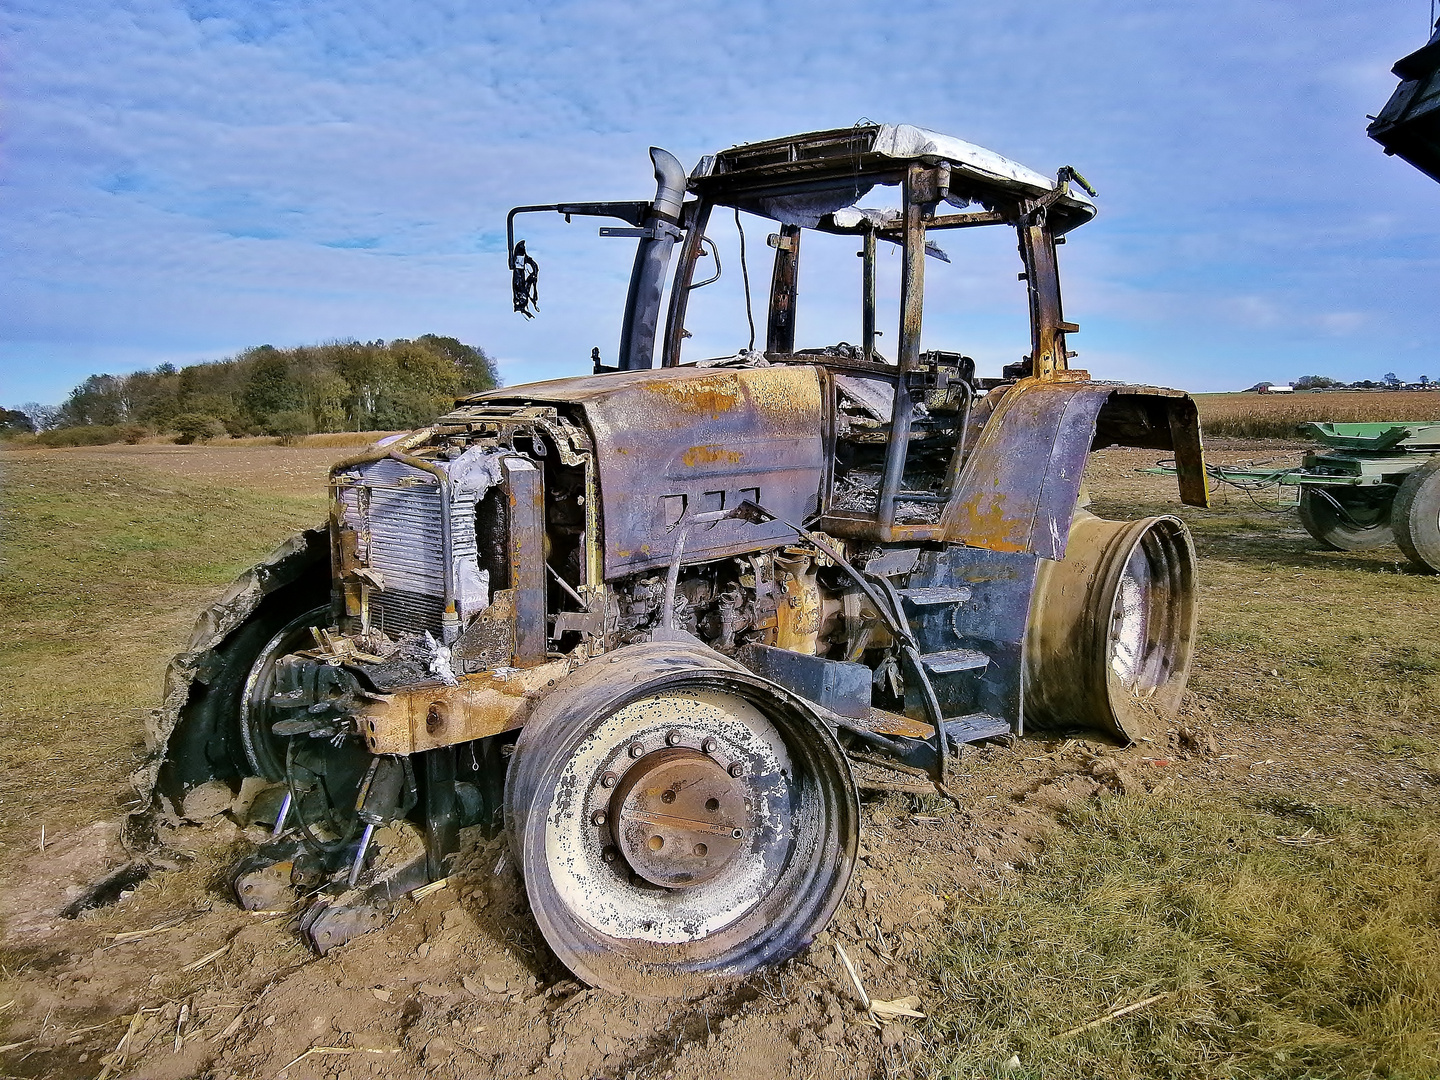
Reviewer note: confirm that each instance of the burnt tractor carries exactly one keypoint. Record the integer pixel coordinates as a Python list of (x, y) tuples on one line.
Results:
[(639, 619)]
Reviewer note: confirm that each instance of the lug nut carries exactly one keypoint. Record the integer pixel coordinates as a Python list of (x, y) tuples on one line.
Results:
[(608, 779), (672, 738), (636, 749), (597, 818), (736, 769), (710, 745)]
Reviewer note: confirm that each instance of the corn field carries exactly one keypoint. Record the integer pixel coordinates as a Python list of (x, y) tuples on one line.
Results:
[(1267, 416)]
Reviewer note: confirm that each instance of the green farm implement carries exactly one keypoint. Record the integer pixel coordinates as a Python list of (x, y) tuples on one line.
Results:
[(1366, 486)]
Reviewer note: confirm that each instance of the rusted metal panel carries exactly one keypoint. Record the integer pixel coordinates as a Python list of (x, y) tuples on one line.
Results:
[(1018, 488), (525, 482), (680, 441), (425, 717)]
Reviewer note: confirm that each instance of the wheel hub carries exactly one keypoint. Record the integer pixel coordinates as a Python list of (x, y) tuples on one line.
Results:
[(678, 817)]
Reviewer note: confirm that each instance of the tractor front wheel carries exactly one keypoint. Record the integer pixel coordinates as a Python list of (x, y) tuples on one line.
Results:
[(678, 822)]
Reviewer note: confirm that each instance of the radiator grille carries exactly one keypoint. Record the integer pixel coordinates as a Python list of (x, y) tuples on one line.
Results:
[(395, 510)]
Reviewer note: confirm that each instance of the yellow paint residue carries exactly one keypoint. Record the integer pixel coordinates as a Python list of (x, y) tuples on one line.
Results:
[(709, 455)]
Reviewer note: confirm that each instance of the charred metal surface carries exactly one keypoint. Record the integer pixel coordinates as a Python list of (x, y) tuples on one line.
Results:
[(780, 327), (1003, 506), (684, 441), (478, 706), (1111, 627), (696, 221), (991, 620), (525, 482), (837, 685)]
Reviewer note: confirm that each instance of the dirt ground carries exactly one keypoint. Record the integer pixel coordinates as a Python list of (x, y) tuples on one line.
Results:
[(175, 981)]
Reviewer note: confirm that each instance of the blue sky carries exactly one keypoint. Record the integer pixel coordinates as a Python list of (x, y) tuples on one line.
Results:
[(185, 179)]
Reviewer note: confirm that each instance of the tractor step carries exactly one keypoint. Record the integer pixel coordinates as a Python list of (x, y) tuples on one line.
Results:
[(943, 663), (975, 727)]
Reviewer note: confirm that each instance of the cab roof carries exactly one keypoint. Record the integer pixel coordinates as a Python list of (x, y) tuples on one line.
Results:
[(800, 178)]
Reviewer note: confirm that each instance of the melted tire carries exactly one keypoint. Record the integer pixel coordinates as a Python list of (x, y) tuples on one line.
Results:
[(1417, 517), (1368, 525), (209, 741)]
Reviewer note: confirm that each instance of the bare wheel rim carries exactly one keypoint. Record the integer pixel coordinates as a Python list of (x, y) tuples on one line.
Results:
[(693, 828), (1112, 627)]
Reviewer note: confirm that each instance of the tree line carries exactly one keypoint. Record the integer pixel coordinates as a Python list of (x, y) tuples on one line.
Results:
[(339, 386)]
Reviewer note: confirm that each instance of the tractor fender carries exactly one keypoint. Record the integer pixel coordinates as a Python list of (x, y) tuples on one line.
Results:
[(1018, 488)]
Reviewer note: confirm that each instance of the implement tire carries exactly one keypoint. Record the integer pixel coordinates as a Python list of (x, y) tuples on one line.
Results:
[(1417, 517), (1358, 523)]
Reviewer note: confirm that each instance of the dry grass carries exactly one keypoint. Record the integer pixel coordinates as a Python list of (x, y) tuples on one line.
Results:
[(104, 568), (1275, 960), (1278, 416)]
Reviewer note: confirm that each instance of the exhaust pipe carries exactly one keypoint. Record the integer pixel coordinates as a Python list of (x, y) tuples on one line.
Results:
[(652, 258)]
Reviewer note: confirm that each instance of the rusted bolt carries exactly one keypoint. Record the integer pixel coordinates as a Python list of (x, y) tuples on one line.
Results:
[(434, 718), (636, 749), (710, 745), (667, 796), (608, 780), (736, 769), (701, 850), (597, 818), (609, 854), (672, 738)]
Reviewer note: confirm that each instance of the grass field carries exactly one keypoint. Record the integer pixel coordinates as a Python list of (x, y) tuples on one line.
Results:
[(1278, 416), (104, 566), (1274, 908)]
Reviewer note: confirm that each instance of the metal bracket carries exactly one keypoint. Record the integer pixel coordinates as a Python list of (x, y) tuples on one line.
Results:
[(656, 230)]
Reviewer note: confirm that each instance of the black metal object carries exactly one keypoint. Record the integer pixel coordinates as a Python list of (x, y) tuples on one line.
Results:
[(442, 817), (652, 257), (524, 281), (1409, 124), (839, 686), (784, 285)]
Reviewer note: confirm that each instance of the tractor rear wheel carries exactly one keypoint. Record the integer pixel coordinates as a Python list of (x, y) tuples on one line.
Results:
[(678, 822), (1112, 628), (1346, 520), (1417, 517)]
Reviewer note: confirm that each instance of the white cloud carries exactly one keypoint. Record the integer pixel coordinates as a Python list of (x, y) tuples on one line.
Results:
[(188, 178)]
